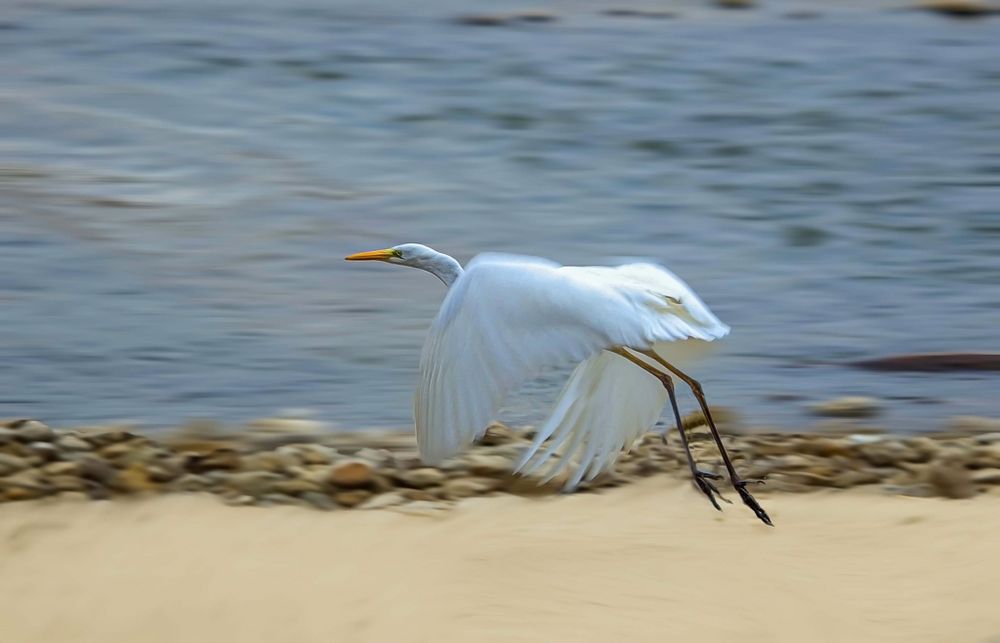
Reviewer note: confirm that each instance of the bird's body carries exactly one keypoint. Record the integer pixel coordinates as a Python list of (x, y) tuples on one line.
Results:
[(507, 317)]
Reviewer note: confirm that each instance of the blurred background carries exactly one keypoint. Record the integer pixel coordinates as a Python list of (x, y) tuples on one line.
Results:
[(180, 180)]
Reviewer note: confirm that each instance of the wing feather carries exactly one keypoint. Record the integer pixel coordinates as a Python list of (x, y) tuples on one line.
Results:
[(507, 318)]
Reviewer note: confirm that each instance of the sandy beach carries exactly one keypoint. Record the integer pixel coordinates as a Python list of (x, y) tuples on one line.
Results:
[(646, 562)]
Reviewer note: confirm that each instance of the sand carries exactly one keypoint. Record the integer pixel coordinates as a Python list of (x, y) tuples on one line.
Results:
[(648, 562)]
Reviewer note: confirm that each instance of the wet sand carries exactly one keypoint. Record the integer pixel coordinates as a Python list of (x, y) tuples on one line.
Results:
[(647, 562)]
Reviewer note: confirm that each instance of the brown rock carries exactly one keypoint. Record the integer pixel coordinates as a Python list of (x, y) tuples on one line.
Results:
[(986, 476), (939, 362), (67, 483), (191, 482), (96, 469), (489, 465), (30, 430), (61, 469), (135, 479), (974, 424), (848, 407), (273, 461), (252, 483), (351, 473), (420, 494), (71, 442), (296, 486), (220, 459), (950, 480), (496, 434), (12, 464), (351, 498), (856, 478), (827, 447), (887, 453), (22, 493), (116, 450), (421, 478), (468, 487), (103, 436)]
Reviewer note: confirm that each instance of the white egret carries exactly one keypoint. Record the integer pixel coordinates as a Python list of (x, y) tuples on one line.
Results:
[(506, 317)]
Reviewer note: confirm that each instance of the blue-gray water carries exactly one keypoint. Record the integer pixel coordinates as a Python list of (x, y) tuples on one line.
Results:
[(179, 181)]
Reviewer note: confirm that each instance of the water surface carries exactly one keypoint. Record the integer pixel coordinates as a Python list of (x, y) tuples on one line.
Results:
[(180, 180)]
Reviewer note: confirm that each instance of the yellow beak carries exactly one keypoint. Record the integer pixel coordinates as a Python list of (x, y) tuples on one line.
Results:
[(372, 255)]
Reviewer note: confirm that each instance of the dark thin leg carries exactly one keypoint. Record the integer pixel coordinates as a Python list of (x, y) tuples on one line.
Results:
[(701, 479), (738, 483)]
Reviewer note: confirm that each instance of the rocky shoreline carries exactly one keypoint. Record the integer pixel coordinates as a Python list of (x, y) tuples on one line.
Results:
[(291, 462)]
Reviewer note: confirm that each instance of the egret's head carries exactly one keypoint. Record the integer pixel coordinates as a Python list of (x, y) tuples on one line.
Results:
[(415, 255), (407, 254)]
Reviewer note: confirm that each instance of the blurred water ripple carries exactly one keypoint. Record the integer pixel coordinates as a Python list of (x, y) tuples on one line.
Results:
[(180, 181)]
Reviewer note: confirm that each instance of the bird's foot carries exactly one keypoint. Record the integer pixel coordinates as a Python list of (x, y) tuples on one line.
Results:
[(748, 499), (702, 480)]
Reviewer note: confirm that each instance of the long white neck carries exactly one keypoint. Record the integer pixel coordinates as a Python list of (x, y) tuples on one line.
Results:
[(445, 268)]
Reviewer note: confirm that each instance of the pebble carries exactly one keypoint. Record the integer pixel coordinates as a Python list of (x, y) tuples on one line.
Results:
[(61, 469), (486, 465), (467, 487), (220, 459), (847, 407), (12, 464), (93, 468), (31, 431), (974, 424), (135, 479), (191, 482), (497, 434), (950, 480), (67, 483), (273, 461), (72, 443), (296, 486), (351, 498), (986, 476), (103, 436), (885, 453), (385, 472), (422, 478), (352, 473), (254, 483)]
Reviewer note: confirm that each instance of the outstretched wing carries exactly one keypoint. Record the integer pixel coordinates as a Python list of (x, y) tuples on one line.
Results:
[(508, 317), (609, 402)]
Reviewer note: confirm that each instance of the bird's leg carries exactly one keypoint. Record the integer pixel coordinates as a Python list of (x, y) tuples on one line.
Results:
[(738, 483), (701, 479)]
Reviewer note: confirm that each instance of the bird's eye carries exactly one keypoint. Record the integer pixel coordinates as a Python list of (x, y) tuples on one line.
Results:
[(674, 300), (397, 253)]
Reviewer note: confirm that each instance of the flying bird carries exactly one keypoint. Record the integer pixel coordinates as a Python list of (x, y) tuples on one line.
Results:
[(507, 317)]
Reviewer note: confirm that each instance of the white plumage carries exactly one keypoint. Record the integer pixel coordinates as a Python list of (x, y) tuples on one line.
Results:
[(508, 317)]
